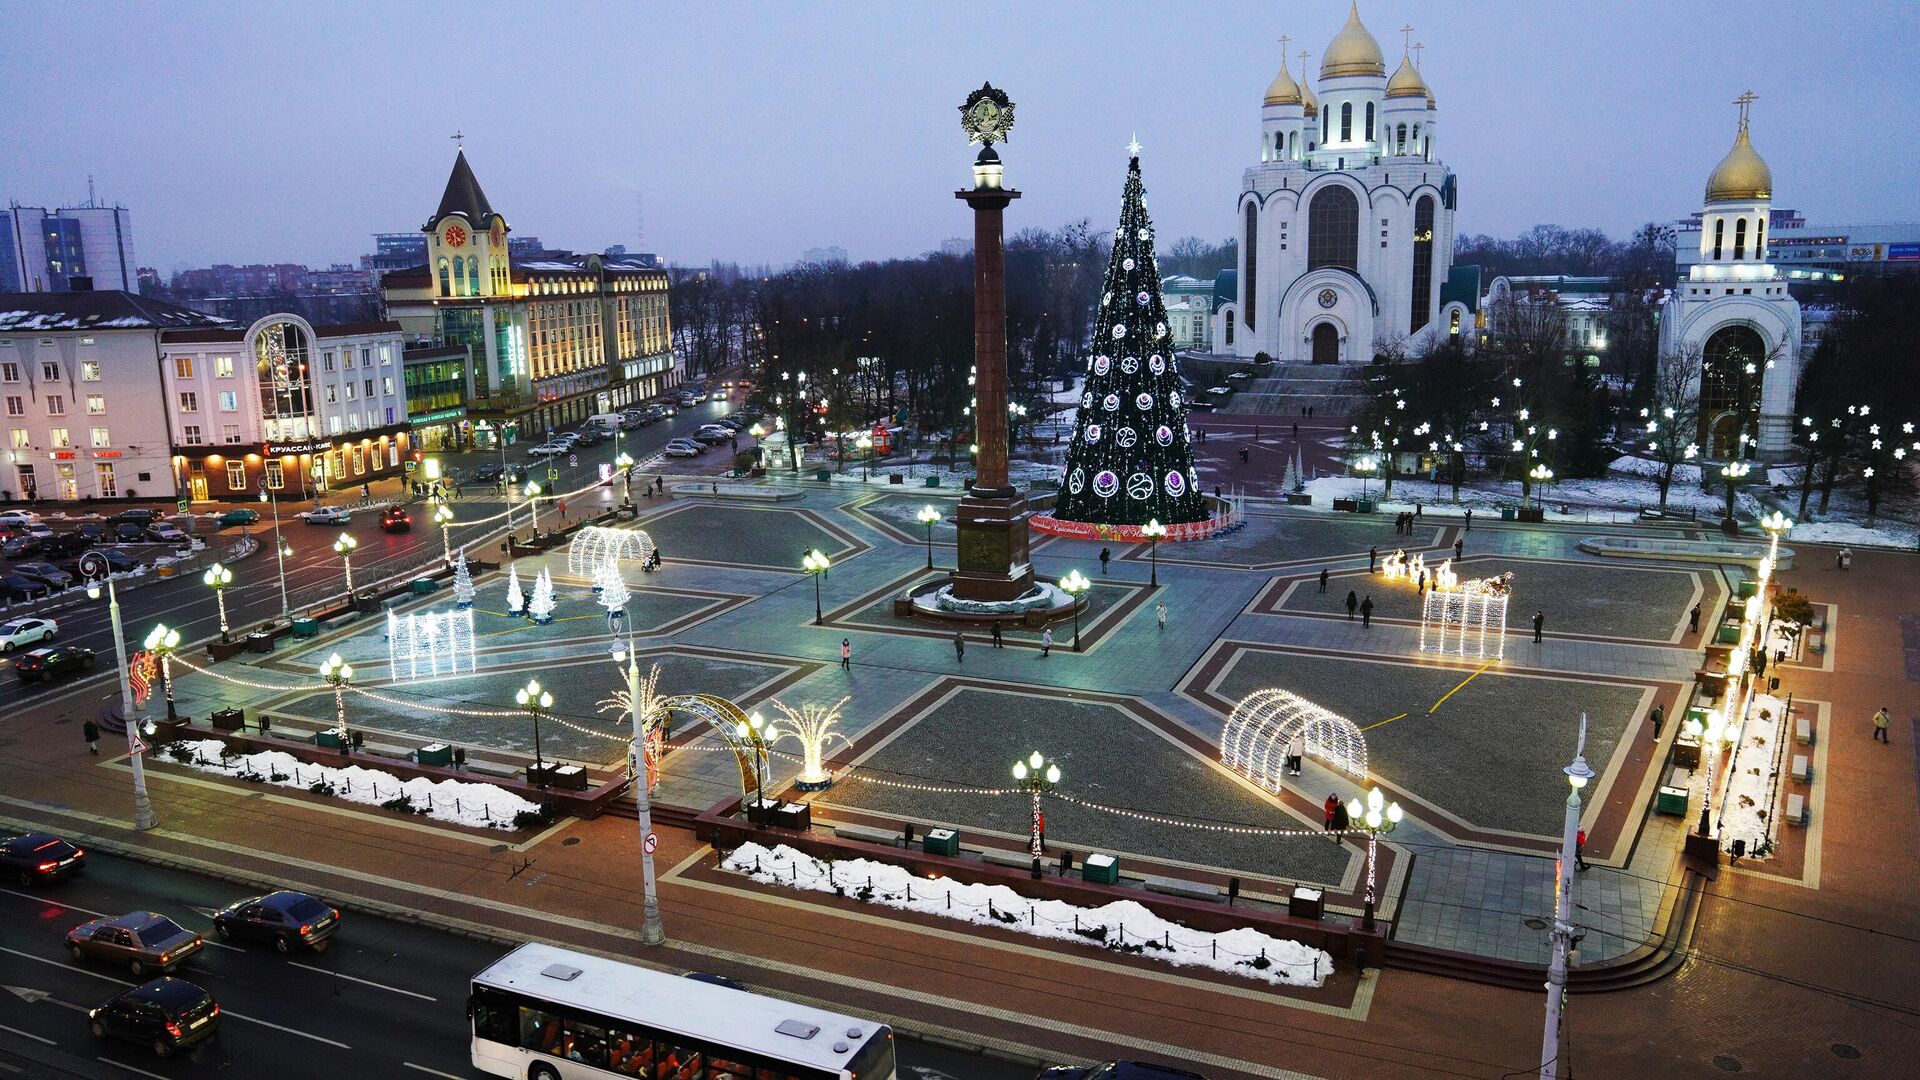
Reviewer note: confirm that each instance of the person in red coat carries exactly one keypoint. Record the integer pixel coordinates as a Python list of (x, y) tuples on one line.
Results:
[(1332, 808)]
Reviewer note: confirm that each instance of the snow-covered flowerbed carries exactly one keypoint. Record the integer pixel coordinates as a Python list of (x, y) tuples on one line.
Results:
[(1122, 926), (462, 803), (1751, 789)]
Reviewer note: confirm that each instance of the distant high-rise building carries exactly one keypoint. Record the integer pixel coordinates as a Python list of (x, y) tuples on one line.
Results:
[(44, 250), (825, 255), (395, 251)]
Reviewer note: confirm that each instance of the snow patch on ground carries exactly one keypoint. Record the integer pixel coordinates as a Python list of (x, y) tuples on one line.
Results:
[(1122, 926), (1752, 789), (481, 805)]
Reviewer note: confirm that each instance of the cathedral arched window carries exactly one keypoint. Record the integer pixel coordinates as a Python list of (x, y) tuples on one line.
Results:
[(1400, 139), (446, 285), (1346, 121), (1229, 326), (1333, 229), (1740, 239), (1719, 235), (1326, 117), (1760, 238), (1422, 263), (1252, 249), (473, 275), (1369, 121)]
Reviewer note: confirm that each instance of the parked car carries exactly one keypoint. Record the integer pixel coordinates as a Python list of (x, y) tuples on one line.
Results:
[(19, 633), (139, 515), (1117, 1070), (118, 561), (22, 547), (589, 437), (327, 515), (131, 532), (44, 664), (21, 587), (12, 518), (161, 532), (1240, 377), (683, 448), (396, 519), (290, 920), (239, 516), (44, 572), (548, 449), (63, 544), (141, 941), (39, 856), (170, 1015), (92, 531)]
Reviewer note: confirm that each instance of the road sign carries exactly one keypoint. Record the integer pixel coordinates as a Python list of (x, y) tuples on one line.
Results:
[(553, 471), (135, 744), (653, 843), (409, 466), (183, 505), (573, 460)]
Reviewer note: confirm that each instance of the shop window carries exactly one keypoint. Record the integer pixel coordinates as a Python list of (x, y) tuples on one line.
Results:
[(274, 478), (236, 476)]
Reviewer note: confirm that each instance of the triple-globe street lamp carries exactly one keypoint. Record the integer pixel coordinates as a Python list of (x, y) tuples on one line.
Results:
[(1374, 816), (1734, 471), (535, 700), (1036, 774), (443, 517), (163, 640), (344, 547), (1075, 585), (337, 673), (816, 564), (217, 578), (624, 462), (928, 516), (1153, 531)]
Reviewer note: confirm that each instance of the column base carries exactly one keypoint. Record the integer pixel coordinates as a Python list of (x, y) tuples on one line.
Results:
[(992, 563)]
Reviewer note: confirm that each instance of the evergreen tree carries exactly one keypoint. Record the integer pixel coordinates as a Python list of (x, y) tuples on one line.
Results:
[(516, 599), (462, 581), (1131, 459), (541, 606)]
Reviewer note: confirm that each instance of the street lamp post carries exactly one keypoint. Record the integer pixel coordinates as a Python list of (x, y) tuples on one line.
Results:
[(651, 931), (532, 492), (534, 700), (816, 563), (1561, 941), (1153, 531), (1374, 816), (280, 547), (1540, 475), (1036, 774), (1364, 467), (865, 443), (337, 673), (443, 517), (1716, 731), (624, 462), (750, 732), (163, 639), (927, 516), (97, 569), (343, 547), (1734, 471), (1075, 585), (217, 578)]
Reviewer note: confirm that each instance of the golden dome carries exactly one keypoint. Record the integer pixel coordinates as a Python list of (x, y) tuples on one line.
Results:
[(1741, 174), (1352, 51), (1307, 99), (1406, 81), (1283, 90), (1430, 99)]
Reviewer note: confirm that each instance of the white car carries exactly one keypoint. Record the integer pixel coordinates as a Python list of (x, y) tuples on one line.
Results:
[(327, 515), (549, 449), (16, 518), (684, 448), (21, 632)]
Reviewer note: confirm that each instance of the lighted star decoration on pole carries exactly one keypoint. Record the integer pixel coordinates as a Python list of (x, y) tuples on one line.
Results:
[(1133, 145)]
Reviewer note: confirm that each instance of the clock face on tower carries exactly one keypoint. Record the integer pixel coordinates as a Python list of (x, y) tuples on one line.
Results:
[(1328, 298), (456, 236)]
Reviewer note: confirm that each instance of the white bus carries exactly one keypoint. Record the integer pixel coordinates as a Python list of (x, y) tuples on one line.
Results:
[(545, 1013)]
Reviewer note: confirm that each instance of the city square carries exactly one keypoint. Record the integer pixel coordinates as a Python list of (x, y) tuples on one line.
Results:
[(1076, 653)]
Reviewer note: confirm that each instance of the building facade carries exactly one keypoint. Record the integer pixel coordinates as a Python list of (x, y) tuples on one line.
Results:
[(44, 250), (553, 340), (80, 373), (299, 409), (1189, 304), (1346, 222), (1814, 255), (1734, 312)]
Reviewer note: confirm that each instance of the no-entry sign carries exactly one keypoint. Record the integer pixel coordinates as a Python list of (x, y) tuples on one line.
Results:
[(652, 843)]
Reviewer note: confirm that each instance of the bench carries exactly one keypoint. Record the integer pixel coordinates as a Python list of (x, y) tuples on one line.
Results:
[(488, 768), (1003, 857), (1192, 890), (1803, 732), (1681, 777), (1796, 809), (867, 834), (1802, 770)]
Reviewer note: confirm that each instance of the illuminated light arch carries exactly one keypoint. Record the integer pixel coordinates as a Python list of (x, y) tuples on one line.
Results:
[(1469, 620), (1254, 742), (749, 750), (596, 546)]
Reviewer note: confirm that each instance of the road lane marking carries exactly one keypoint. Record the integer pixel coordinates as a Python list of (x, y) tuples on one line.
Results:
[(129, 1068), (291, 1031), (431, 1072), (365, 982), (65, 966), (28, 1035)]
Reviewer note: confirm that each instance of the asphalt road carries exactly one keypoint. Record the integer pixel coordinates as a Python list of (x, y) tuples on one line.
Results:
[(385, 1000), (313, 571)]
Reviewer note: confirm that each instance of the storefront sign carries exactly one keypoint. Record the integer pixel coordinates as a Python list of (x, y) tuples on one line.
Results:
[(106, 453), (439, 416), (286, 449), (60, 455)]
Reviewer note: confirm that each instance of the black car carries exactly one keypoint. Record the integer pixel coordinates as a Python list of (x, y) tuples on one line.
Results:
[(1117, 1070), (20, 587), (40, 856), (170, 1015), (92, 531), (45, 573), (62, 544), (43, 664), (117, 561), (23, 547), (291, 920), (142, 516), (396, 519), (132, 532), (589, 437)]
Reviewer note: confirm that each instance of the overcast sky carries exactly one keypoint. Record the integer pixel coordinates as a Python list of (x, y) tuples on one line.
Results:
[(270, 132)]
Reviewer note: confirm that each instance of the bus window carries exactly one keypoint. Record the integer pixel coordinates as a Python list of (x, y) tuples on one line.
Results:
[(720, 1069), (875, 1060), (628, 1055), (494, 1021), (585, 1043), (673, 1063), (540, 1031)]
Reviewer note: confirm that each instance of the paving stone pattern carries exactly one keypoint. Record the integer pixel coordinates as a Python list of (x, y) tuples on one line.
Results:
[(748, 536)]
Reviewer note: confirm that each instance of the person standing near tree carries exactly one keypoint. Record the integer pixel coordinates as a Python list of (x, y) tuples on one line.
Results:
[(1323, 579), (1366, 611), (1469, 519), (1353, 601), (1539, 624)]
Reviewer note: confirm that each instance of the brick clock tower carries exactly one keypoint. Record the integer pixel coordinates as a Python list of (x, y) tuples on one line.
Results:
[(992, 563)]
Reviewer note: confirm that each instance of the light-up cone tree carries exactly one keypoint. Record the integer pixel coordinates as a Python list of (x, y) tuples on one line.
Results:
[(540, 607), (462, 581), (812, 726), (1131, 459), (516, 596)]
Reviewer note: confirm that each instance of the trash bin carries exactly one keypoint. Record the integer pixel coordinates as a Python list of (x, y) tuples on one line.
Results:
[(1101, 869), (306, 627), (942, 842), (424, 586), (1307, 903), (227, 719), (367, 604), (330, 739), (260, 642), (567, 777), (1508, 513), (823, 475), (1363, 506), (434, 754), (1746, 588), (933, 481)]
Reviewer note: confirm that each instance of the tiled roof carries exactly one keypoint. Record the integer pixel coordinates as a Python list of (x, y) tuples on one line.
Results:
[(463, 194), (114, 310)]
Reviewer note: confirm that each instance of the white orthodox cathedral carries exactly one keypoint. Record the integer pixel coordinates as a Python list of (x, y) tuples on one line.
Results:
[(1346, 223)]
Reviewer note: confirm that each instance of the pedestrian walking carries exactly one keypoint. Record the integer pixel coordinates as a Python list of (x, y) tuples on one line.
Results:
[(1373, 556), (1296, 431), (1469, 519), (1693, 619), (1106, 556), (1353, 601), (1421, 590), (1366, 611), (366, 493), (1256, 433), (91, 732), (1332, 807), (996, 637), (1160, 612), (1296, 750), (846, 654), (1243, 455), (1459, 547), (959, 648), (1323, 579), (1882, 720), (1046, 642), (1416, 511), (1341, 822), (660, 484), (1040, 826), (1659, 714), (1580, 850), (1539, 624)]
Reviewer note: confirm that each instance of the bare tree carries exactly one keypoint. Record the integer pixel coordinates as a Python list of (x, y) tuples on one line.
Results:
[(1672, 415)]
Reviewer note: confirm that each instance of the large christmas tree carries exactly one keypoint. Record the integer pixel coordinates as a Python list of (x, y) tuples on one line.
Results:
[(1131, 459)]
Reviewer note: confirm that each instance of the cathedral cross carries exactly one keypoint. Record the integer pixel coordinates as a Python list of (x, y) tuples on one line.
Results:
[(1407, 37), (1417, 47), (1745, 101), (459, 140)]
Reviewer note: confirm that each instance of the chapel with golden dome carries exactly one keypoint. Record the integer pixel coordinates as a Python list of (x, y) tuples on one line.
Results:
[(1345, 222)]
